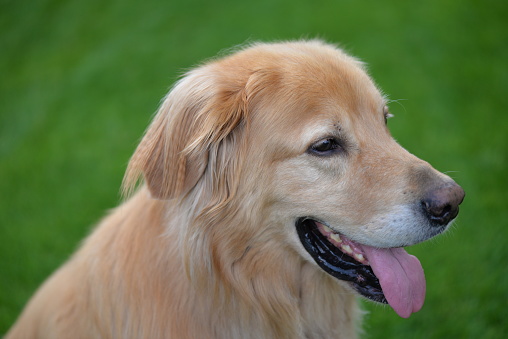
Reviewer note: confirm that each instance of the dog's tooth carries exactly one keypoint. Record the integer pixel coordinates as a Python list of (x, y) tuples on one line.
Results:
[(359, 257), (324, 229), (336, 237), (347, 249)]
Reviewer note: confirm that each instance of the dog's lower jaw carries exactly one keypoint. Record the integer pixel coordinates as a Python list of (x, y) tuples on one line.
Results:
[(337, 262)]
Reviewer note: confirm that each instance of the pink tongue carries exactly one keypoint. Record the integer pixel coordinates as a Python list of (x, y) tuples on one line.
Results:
[(401, 277)]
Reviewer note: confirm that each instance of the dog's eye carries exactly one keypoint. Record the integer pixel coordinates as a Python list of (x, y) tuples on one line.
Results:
[(325, 147)]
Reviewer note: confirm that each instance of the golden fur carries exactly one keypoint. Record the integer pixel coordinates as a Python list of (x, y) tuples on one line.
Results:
[(206, 248)]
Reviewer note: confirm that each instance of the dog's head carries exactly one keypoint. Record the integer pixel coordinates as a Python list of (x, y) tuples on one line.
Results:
[(292, 138)]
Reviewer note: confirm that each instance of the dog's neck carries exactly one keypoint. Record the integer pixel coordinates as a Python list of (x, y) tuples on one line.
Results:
[(257, 282)]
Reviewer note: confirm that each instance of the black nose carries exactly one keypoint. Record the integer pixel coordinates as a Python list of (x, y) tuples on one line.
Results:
[(442, 204)]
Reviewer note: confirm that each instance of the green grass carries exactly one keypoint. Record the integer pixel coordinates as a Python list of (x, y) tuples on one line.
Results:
[(81, 79)]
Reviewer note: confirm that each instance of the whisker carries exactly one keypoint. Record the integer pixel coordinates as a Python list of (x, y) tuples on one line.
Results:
[(398, 101)]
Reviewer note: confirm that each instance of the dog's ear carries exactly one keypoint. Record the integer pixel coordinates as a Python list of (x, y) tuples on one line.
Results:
[(198, 114)]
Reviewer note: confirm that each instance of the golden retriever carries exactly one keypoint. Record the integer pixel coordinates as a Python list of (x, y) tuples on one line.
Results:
[(273, 195)]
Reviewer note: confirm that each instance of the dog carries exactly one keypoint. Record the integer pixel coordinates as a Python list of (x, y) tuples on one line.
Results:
[(265, 196)]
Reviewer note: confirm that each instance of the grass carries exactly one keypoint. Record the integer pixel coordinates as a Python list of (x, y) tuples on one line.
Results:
[(81, 79)]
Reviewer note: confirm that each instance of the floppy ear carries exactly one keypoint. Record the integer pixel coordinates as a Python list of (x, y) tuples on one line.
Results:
[(200, 111)]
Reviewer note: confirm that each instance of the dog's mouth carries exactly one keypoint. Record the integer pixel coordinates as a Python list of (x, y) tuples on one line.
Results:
[(385, 275)]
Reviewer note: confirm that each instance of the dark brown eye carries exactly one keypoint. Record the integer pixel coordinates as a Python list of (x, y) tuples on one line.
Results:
[(325, 147)]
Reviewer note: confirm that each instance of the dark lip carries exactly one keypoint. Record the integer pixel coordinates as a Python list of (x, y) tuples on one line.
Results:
[(339, 265)]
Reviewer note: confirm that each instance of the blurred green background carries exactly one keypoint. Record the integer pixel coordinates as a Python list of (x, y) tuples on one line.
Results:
[(80, 80)]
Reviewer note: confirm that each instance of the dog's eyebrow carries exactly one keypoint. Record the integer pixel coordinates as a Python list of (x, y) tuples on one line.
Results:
[(338, 126)]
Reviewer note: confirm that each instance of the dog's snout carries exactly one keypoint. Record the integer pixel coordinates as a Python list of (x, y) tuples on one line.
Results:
[(442, 204)]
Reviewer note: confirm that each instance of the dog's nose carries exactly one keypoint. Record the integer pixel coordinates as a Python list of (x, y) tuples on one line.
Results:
[(442, 204)]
